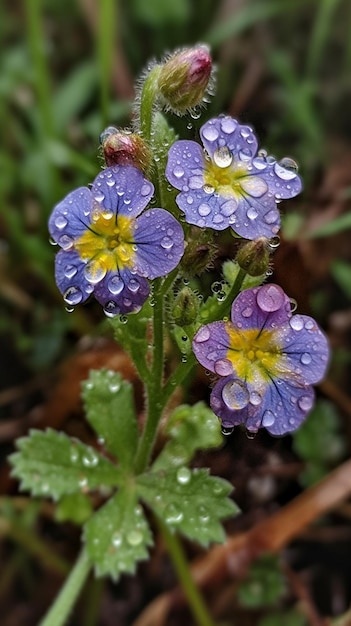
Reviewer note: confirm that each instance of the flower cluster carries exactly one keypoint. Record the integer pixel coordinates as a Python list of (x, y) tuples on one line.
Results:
[(107, 247), (230, 183), (267, 359)]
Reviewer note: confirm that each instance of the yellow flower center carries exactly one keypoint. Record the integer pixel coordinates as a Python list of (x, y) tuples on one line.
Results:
[(107, 244), (256, 355), (231, 178)]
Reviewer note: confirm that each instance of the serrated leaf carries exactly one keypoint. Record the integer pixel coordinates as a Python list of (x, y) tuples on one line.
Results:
[(110, 410), (51, 464), (191, 428), (74, 507), (117, 535), (189, 501)]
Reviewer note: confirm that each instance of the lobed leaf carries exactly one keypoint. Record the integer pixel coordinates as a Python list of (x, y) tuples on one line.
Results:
[(117, 535), (189, 501), (110, 410), (52, 464), (191, 428)]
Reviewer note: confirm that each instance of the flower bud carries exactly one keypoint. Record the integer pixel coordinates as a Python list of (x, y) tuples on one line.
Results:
[(124, 148), (185, 308), (200, 252), (253, 257), (185, 78)]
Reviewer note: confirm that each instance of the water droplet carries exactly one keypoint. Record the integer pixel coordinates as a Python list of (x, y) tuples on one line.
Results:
[(173, 514), (228, 125), (209, 189), (305, 403), (183, 475), (66, 242), (247, 312), (255, 398), (252, 213), (146, 189), (178, 171), (223, 367), (74, 454), (111, 308), (268, 418), (99, 196), (271, 217), (202, 335), (70, 271), (274, 242), (259, 163), (135, 537), (61, 222), (115, 285), (210, 132), (90, 458), (235, 395), (134, 285), (95, 271), (293, 305), (270, 298), (117, 539), (250, 434), (73, 296), (203, 514), (286, 168), (306, 358), (222, 157), (227, 430), (114, 386), (296, 322), (167, 243)]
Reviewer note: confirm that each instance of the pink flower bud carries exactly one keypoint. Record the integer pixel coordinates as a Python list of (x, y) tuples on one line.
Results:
[(124, 148), (185, 78)]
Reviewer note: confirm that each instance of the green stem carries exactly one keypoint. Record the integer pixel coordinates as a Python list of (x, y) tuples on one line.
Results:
[(195, 600), (153, 384), (105, 48), (223, 308), (59, 612), (147, 101)]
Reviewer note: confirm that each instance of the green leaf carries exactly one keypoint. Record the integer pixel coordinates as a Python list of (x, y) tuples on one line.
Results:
[(189, 501), (110, 410), (264, 585), (191, 428), (74, 93), (51, 464), (74, 507), (338, 225), (118, 535)]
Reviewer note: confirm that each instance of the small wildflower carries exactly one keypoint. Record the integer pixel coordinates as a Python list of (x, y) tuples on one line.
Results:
[(267, 359), (230, 183), (185, 78), (121, 147), (107, 250)]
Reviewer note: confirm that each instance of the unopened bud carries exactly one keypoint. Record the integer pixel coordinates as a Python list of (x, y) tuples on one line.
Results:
[(185, 78), (185, 308), (124, 148), (253, 257), (200, 252)]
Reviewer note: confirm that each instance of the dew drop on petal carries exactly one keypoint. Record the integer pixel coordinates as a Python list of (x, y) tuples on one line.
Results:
[(252, 213), (210, 132), (271, 217), (61, 222), (274, 242), (183, 475), (115, 285), (306, 358), (250, 434), (270, 298), (178, 171), (73, 296), (133, 285), (70, 271), (286, 169), (66, 242), (296, 322), (293, 305), (111, 308), (255, 398), (227, 430), (228, 125), (305, 403), (146, 189), (223, 367), (95, 271), (209, 189), (268, 418), (247, 312), (222, 157), (166, 243), (235, 395), (202, 335)]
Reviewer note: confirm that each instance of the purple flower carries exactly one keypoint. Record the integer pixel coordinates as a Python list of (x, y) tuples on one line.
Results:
[(267, 359), (107, 249), (229, 183)]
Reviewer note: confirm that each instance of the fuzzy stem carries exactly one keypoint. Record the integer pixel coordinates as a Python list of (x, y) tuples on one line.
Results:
[(195, 600), (153, 384), (147, 101), (59, 612)]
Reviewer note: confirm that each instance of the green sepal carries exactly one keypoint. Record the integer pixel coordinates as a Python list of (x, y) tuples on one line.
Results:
[(190, 428), (117, 536), (51, 464), (109, 406), (189, 501)]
